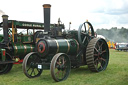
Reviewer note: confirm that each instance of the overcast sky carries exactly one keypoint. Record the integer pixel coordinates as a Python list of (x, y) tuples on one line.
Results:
[(101, 13)]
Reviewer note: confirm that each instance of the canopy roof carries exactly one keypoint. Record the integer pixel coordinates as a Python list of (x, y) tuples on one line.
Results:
[(25, 24)]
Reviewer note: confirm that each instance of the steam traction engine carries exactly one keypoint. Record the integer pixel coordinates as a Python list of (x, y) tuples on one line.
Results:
[(60, 51), (13, 45)]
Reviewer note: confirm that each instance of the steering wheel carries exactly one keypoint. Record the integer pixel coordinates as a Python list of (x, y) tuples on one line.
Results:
[(85, 32)]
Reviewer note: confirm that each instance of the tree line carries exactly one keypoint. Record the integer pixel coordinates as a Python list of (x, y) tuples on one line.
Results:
[(114, 34)]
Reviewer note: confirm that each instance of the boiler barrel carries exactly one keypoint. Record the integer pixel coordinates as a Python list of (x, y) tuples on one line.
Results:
[(20, 49), (53, 46)]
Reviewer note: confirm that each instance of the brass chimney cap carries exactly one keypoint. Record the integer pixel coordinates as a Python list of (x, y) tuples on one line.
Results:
[(5, 16), (46, 5)]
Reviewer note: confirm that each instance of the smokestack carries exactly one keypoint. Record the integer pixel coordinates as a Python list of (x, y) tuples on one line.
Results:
[(47, 17), (5, 28)]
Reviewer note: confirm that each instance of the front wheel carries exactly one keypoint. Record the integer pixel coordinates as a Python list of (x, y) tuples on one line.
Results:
[(5, 68), (32, 65), (60, 67)]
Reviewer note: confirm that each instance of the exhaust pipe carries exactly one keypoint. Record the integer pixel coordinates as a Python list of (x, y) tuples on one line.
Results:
[(47, 17), (5, 28)]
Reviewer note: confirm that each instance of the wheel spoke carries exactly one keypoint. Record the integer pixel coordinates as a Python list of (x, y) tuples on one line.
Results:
[(96, 60), (96, 49), (57, 73), (103, 51), (62, 73), (85, 27), (38, 70), (102, 59), (101, 46), (58, 63), (84, 40), (63, 61), (28, 69), (80, 52), (98, 46), (101, 65), (83, 33), (32, 71), (96, 55)]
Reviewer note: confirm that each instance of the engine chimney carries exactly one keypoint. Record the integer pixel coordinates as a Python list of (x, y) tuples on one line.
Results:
[(5, 28), (47, 17)]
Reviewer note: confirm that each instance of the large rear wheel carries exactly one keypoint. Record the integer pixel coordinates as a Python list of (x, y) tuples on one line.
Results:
[(97, 55)]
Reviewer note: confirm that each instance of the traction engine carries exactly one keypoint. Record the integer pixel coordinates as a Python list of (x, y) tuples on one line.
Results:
[(60, 50)]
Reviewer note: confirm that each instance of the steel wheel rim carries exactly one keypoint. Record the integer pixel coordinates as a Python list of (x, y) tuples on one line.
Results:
[(60, 67), (30, 65), (101, 55)]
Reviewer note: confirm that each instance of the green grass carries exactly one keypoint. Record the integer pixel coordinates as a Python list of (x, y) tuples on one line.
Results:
[(115, 74)]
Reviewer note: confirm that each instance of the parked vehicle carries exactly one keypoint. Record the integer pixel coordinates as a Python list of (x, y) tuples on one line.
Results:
[(122, 46)]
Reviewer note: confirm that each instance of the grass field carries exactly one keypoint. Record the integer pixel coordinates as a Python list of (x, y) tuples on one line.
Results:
[(115, 74)]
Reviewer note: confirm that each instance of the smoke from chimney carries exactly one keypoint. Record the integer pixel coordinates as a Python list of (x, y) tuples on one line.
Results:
[(1, 12)]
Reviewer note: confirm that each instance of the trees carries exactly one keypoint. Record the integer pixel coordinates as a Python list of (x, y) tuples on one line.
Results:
[(114, 34)]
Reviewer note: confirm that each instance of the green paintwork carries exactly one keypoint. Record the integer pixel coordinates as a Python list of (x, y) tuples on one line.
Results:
[(74, 46), (3, 54), (73, 34), (63, 46), (1, 38), (27, 38), (68, 46), (20, 49), (19, 39), (30, 25), (23, 24)]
